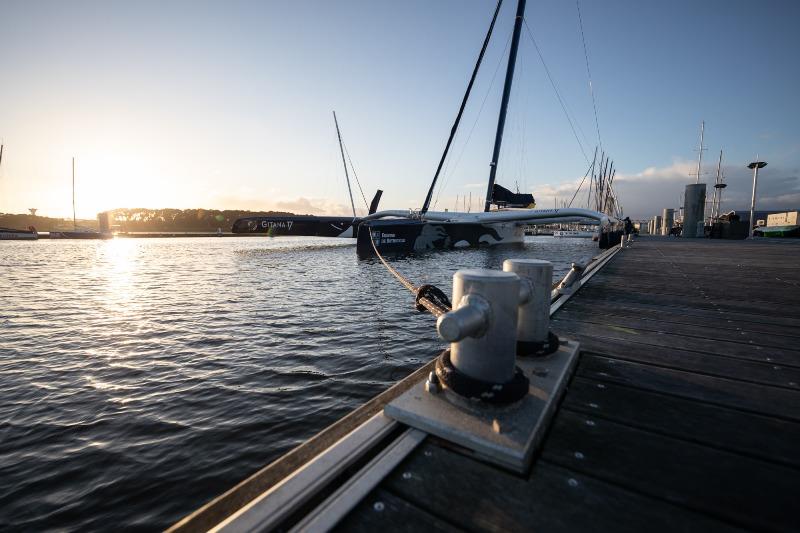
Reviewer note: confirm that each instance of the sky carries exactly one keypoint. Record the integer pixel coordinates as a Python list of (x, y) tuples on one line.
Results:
[(228, 105)]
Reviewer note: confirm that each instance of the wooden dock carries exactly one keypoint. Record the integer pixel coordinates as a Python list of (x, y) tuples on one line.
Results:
[(683, 413)]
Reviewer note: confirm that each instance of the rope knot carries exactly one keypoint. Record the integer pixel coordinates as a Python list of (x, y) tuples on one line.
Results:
[(433, 294)]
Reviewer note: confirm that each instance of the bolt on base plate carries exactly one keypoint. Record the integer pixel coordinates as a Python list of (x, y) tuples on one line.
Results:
[(503, 435)]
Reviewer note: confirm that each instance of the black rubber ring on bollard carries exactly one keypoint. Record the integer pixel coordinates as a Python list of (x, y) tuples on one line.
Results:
[(485, 391), (538, 349)]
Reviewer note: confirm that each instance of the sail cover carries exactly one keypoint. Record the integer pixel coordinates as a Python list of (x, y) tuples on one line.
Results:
[(502, 197)]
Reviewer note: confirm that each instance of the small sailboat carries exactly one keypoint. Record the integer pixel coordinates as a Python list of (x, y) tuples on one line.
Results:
[(395, 231), (78, 233), (12, 234)]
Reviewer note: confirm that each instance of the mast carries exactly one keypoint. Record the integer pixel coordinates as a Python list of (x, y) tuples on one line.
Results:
[(346, 175), (501, 121), (714, 201), (426, 204), (700, 151), (74, 223)]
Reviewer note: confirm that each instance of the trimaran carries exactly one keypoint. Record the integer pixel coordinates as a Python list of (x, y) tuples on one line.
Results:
[(404, 231)]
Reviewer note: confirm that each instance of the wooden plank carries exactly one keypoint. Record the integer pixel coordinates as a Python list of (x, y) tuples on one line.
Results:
[(740, 316), (729, 486), (476, 496), (760, 294), (703, 363), (750, 352), (578, 307), (767, 438), (760, 399), (383, 511), (701, 330), (621, 294)]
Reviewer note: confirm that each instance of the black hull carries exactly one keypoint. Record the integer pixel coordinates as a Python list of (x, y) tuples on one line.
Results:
[(407, 236), (308, 226), (80, 235), (11, 234)]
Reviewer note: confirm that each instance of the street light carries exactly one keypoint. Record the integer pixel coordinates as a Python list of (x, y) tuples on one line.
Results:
[(755, 165)]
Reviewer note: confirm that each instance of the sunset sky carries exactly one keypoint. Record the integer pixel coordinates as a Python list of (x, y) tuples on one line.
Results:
[(228, 104)]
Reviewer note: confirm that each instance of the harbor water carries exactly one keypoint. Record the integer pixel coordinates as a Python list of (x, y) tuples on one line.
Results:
[(139, 378)]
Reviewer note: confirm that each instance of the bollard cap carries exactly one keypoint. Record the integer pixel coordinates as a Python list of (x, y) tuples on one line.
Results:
[(527, 266), (481, 274)]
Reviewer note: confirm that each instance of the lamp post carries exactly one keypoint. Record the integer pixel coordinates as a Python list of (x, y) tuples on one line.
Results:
[(755, 165)]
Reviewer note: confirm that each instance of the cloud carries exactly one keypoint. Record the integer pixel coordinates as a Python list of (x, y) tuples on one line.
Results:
[(645, 193)]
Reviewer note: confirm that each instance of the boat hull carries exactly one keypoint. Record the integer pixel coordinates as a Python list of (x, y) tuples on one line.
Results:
[(399, 236), (308, 226), (8, 234), (573, 234), (80, 235)]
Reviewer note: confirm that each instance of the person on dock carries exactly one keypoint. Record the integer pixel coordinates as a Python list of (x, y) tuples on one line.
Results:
[(628, 229)]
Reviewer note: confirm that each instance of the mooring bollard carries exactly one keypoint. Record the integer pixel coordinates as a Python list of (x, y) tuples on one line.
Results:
[(533, 322), (482, 328)]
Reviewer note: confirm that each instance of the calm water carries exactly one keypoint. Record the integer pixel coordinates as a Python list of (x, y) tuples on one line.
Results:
[(141, 377)]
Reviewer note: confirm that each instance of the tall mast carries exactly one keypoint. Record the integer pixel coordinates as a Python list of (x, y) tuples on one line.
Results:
[(74, 223), (346, 175), (714, 202), (501, 121), (700, 151)]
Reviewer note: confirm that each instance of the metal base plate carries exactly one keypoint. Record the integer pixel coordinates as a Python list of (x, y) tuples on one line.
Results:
[(506, 435)]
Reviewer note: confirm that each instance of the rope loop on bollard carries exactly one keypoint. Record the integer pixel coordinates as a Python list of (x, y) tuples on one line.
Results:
[(539, 349), (484, 391)]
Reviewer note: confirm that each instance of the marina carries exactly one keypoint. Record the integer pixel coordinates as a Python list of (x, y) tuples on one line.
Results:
[(553, 315)]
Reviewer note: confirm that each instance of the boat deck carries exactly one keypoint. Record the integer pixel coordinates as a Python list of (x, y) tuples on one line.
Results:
[(683, 414)]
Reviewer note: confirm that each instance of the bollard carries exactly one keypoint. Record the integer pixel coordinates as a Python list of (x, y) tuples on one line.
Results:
[(533, 324), (482, 326)]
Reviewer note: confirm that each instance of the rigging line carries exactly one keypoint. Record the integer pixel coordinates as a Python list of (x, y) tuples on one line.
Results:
[(454, 129), (353, 168), (584, 178), (555, 88), (474, 124), (589, 74)]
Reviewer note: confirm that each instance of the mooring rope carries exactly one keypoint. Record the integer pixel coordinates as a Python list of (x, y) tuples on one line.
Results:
[(427, 297)]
